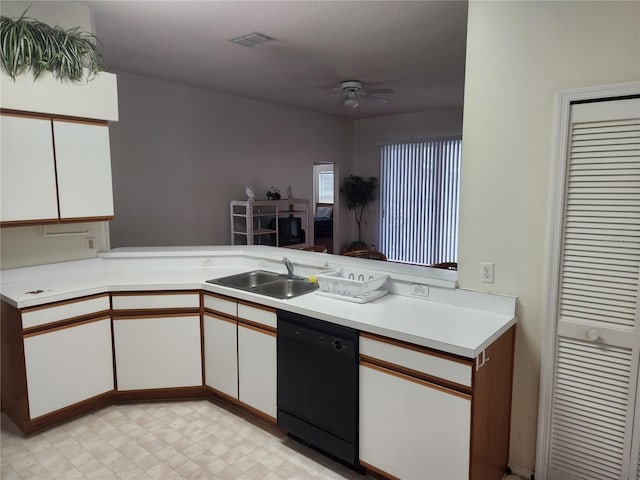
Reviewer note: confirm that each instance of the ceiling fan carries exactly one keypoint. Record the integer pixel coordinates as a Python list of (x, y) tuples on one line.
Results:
[(352, 92)]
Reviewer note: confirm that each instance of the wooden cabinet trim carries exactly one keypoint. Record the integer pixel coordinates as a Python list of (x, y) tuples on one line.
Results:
[(377, 473), (144, 293), (64, 324), (63, 302), (146, 315), (220, 316), (258, 327), (220, 296), (417, 348), (257, 305), (419, 381), (48, 116)]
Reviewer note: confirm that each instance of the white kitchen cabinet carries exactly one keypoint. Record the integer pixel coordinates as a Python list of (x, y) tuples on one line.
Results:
[(412, 429), (429, 415), (68, 365), (257, 372), (54, 170), (27, 169), (221, 354), (157, 351), (83, 163)]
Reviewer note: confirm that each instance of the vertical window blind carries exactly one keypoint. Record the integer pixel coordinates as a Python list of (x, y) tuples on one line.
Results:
[(419, 201)]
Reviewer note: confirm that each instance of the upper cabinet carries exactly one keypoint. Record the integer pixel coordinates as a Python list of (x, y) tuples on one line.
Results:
[(96, 98), (27, 171), (54, 171), (56, 161)]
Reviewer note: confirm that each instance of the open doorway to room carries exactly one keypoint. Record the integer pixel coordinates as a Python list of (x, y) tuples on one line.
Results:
[(323, 205)]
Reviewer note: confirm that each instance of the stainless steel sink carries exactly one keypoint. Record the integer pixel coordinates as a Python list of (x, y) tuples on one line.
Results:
[(266, 283), (285, 288), (247, 280)]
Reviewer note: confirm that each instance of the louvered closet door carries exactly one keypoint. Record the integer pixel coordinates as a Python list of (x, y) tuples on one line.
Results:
[(598, 340)]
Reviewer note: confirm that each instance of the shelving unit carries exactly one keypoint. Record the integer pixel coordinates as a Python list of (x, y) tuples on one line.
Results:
[(264, 222)]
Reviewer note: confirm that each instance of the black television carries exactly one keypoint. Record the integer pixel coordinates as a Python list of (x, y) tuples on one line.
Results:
[(290, 230)]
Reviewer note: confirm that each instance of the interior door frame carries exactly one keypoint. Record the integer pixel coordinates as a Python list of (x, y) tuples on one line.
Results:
[(556, 214)]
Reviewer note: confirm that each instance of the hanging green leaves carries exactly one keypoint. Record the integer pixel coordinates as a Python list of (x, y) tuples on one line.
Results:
[(28, 44)]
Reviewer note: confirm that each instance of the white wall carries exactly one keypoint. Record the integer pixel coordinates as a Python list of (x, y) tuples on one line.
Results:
[(370, 132), (519, 55), (22, 246), (180, 154)]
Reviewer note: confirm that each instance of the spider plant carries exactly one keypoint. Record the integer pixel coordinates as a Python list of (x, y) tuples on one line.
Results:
[(28, 44)]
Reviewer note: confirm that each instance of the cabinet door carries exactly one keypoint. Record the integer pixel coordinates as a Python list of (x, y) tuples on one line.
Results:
[(221, 354), (412, 429), (83, 161), (28, 178), (157, 352), (68, 365), (257, 368)]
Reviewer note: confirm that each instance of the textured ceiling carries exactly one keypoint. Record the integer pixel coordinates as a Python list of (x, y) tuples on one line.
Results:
[(416, 48)]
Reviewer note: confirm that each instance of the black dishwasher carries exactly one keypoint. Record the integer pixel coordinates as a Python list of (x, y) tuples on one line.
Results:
[(318, 384)]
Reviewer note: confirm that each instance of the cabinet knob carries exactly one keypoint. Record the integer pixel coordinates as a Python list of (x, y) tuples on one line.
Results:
[(593, 335)]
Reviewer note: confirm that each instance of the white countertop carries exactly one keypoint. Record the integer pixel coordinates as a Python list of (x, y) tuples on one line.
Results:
[(464, 324)]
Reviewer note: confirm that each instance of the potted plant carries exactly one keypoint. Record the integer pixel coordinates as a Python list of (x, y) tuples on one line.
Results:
[(358, 192), (28, 44)]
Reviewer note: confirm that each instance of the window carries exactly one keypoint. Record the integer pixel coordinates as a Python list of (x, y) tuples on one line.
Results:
[(325, 187), (419, 201)]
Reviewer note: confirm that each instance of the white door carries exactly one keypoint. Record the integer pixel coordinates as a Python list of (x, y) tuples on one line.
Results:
[(159, 352), (68, 365), (257, 373), (83, 161), (596, 307), (411, 429), (221, 354), (27, 173)]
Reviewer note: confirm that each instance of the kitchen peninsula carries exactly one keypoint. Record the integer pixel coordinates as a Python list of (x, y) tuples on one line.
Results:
[(143, 323)]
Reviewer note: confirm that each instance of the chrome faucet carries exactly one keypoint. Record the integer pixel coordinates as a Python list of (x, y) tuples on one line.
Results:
[(289, 265)]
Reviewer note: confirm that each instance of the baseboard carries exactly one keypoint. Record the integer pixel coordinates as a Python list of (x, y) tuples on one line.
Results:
[(521, 472)]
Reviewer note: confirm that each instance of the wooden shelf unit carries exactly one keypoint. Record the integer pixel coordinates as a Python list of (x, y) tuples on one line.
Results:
[(252, 221)]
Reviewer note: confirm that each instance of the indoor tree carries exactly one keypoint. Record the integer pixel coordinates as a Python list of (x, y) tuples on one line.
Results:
[(358, 192)]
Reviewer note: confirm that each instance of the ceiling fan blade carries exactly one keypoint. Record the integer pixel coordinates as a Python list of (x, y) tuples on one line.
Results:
[(341, 101), (376, 99), (378, 90), (326, 96)]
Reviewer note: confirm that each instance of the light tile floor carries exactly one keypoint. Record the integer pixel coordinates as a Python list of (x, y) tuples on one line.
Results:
[(168, 440)]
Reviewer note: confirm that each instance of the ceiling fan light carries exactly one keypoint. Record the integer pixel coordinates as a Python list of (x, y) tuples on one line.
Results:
[(351, 102)]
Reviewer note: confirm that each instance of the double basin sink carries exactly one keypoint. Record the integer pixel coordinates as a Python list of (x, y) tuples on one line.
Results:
[(267, 283)]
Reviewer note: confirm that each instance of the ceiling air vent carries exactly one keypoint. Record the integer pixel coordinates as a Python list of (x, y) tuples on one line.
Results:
[(251, 39)]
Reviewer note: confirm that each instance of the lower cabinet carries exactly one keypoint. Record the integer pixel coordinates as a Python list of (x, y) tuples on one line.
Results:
[(157, 352), (240, 352), (411, 428), (221, 354), (67, 365), (429, 415), (257, 362)]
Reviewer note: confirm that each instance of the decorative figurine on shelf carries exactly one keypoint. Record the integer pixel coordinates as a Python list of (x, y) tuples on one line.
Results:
[(249, 191), (273, 193), (289, 192)]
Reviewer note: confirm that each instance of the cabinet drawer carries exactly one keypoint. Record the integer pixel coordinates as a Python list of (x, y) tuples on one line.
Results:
[(258, 314), (227, 306), (165, 300), (36, 316), (416, 358)]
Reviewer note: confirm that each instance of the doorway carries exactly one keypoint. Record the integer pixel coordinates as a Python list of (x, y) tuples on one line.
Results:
[(324, 205)]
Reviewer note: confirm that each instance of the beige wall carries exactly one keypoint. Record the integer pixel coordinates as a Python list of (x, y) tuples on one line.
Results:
[(180, 154), (519, 55)]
